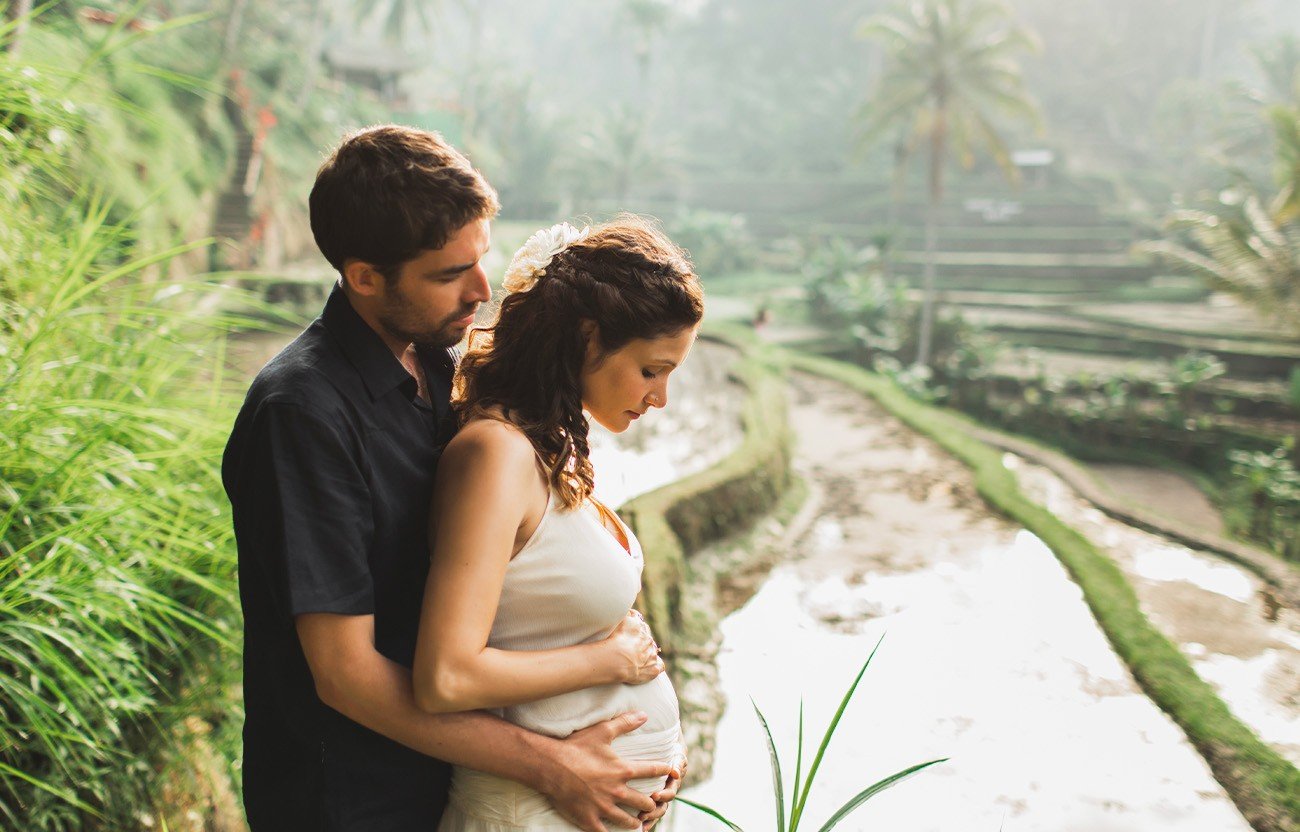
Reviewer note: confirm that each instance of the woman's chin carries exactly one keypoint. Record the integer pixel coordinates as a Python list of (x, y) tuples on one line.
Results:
[(616, 425)]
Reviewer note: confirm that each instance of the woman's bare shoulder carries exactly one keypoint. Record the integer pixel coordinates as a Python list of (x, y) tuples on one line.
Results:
[(490, 442)]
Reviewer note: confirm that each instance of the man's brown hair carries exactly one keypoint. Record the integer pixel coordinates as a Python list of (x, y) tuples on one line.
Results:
[(388, 193)]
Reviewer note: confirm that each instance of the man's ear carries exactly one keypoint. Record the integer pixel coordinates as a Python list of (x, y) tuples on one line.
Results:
[(362, 278)]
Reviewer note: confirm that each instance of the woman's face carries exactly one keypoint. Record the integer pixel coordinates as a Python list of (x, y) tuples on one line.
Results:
[(619, 387)]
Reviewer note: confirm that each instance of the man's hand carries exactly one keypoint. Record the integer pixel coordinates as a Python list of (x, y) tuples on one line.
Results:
[(590, 783), (667, 794)]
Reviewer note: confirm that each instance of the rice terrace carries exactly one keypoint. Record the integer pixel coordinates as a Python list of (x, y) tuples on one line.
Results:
[(908, 394)]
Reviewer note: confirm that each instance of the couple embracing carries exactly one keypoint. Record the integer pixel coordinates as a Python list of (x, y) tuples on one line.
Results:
[(439, 632)]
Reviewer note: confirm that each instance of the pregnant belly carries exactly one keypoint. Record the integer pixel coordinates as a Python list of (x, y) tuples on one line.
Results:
[(486, 802), (561, 715)]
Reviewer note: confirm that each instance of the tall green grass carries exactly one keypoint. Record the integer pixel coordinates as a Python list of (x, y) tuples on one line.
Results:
[(117, 594)]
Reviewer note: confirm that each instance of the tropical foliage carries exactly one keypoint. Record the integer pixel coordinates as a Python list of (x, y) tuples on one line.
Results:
[(1248, 244), (718, 242), (117, 597), (1244, 249), (618, 151), (1270, 487)]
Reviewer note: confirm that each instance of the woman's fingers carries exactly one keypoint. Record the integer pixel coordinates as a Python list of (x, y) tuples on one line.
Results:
[(641, 802), (620, 818), (651, 666)]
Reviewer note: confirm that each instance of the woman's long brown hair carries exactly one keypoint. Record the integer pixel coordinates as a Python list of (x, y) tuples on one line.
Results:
[(628, 279)]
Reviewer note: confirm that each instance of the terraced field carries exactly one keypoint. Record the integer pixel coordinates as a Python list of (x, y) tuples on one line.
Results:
[(1052, 274)]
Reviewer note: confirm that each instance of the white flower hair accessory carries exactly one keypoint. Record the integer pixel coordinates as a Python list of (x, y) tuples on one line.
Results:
[(531, 260)]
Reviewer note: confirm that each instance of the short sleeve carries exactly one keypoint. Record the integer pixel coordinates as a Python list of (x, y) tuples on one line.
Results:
[(312, 505)]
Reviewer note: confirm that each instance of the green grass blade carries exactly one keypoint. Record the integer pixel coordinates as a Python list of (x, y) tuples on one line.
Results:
[(873, 790), (798, 766), (62, 794), (826, 738), (777, 786), (713, 813)]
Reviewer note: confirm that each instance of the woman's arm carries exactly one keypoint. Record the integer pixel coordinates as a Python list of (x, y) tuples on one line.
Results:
[(487, 477)]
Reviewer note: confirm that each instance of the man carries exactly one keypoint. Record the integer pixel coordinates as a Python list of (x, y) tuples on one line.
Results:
[(330, 468)]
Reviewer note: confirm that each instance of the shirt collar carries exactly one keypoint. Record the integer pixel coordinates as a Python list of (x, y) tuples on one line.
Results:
[(380, 370)]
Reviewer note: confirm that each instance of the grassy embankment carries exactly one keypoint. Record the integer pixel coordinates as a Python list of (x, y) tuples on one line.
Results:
[(1265, 787), (117, 597), (118, 611)]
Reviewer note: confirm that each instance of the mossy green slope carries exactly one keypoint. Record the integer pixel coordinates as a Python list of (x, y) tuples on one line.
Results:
[(675, 521)]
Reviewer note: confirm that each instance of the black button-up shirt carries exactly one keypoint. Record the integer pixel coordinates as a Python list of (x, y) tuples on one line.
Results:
[(330, 470)]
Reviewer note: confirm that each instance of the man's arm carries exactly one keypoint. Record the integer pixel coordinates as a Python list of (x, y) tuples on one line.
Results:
[(582, 776)]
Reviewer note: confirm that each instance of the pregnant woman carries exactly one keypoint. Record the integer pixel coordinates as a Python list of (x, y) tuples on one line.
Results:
[(527, 607)]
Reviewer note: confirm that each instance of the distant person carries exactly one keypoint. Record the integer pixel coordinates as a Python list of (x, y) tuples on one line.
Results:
[(530, 571), (330, 470)]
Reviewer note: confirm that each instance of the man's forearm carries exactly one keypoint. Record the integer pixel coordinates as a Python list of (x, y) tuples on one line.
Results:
[(376, 693)]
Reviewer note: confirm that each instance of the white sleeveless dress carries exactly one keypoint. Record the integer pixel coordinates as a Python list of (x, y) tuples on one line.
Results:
[(571, 583)]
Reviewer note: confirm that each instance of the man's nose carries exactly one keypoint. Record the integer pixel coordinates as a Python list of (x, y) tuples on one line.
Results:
[(477, 289)]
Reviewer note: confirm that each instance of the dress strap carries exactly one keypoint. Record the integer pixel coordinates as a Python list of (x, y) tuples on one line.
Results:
[(610, 521)]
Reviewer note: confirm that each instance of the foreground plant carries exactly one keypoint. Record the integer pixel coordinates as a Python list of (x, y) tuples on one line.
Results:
[(118, 605), (803, 787)]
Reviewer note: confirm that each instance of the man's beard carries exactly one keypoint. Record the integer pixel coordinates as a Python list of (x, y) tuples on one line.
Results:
[(397, 318)]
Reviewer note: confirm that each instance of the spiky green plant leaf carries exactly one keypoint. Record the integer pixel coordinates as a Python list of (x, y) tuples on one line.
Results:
[(826, 740), (801, 789), (778, 787), (713, 813), (873, 790)]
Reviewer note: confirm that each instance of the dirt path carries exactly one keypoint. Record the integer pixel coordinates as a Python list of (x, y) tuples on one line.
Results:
[(992, 658), (1165, 493)]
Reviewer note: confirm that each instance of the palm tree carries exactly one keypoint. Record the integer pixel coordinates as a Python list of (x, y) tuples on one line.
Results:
[(1249, 254), (1286, 134), (1247, 246), (649, 19), (951, 67), (1280, 63), (402, 18), (620, 152)]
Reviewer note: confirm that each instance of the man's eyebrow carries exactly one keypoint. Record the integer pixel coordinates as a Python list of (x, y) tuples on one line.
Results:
[(455, 269), (464, 266)]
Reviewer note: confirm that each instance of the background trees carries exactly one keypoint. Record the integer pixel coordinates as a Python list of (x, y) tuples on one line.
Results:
[(950, 72), (1249, 245)]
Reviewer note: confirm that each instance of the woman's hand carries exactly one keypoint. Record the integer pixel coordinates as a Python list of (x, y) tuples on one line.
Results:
[(635, 653), (668, 793)]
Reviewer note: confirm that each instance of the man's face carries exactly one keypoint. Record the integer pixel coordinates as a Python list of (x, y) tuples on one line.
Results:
[(433, 299)]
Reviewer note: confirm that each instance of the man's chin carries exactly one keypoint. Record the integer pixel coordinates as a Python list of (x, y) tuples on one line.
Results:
[(448, 336)]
